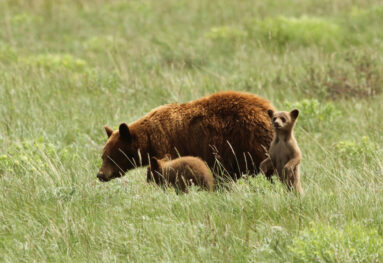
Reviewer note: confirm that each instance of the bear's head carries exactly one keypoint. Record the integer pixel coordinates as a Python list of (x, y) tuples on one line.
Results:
[(120, 153), (283, 121)]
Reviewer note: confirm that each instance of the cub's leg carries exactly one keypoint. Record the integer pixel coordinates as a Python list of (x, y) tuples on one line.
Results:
[(297, 181), (292, 178)]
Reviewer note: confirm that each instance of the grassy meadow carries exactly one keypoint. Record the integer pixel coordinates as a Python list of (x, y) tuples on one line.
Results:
[(67, 68)]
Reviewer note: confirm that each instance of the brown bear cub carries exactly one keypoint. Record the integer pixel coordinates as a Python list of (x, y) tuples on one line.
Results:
[(284, 154), (180, 173)]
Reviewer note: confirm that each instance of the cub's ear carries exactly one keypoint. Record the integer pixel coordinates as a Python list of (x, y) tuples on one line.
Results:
[(270, 113), (108, 130), (154, 163), (124, 131), (167, 157), (294, 113)]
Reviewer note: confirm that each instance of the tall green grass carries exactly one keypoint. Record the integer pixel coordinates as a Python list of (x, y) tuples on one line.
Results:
[(68, 68)]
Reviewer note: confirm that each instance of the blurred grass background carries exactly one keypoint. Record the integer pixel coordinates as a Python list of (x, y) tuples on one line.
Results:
[(67, 68)]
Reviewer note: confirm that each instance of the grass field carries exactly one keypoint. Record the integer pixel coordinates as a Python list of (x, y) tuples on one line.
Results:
[(67, 68)]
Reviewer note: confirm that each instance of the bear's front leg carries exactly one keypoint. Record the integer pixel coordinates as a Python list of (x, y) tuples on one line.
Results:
[(266, 167)]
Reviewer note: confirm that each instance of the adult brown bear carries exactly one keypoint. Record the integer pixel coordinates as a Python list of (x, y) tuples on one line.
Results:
[(229, 128)]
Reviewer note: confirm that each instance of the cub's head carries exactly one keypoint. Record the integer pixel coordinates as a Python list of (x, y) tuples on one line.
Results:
[(120, 153), (155, 166), (157, 163), (283, 120)]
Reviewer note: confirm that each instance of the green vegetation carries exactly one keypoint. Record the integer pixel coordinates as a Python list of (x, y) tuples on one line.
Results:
[(351, 243), (299, 31), (67, 68)]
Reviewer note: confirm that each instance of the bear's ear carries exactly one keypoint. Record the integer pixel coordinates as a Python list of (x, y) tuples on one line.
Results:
[(108, 130), (270, 113), (294, 113), (124, 131)]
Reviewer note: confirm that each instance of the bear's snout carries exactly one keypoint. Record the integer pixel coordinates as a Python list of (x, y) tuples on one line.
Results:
[(102, 177)]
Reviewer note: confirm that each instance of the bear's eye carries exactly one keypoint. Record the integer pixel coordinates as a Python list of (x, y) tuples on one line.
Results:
[(273, 119), (283, 119)]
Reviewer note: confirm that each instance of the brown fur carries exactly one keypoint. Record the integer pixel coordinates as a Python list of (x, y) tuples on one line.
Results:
[(180, 173), (232, 127), (284, 153)]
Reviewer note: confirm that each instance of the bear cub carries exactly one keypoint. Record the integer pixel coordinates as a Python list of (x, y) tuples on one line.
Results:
[(180, 173), (284, 153)]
